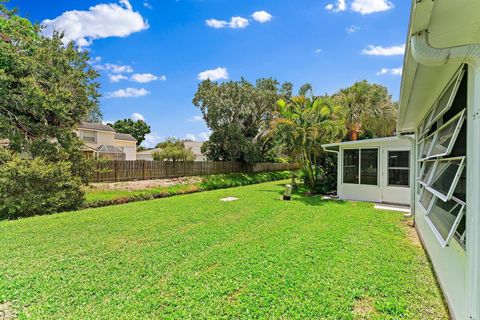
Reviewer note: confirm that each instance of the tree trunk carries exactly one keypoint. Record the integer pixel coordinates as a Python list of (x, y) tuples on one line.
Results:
[(353, 132)]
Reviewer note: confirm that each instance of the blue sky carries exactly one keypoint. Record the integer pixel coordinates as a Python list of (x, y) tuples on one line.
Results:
[(151, 53)]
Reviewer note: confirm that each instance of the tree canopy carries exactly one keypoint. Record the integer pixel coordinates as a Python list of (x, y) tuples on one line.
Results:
[(173, 149), (138, 129), (46, 87), (237, 112), (370, 110), (302, 125)]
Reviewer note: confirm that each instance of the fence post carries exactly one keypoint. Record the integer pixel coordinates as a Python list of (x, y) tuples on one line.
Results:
[(115, 171)]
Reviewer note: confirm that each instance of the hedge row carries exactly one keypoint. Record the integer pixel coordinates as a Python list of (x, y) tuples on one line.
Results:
[(212, 182)]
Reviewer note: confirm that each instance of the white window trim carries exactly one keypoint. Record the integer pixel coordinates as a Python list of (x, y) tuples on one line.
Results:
[(445, 242), (458, 127), (457, 79), (398, 168), (360, 166), (440, 195)]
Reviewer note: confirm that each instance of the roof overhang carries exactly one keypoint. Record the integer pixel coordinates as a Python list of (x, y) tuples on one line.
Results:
[(449, 24), (366, 142)]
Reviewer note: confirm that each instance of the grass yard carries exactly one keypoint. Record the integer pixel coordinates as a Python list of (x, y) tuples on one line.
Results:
[(193, 256)]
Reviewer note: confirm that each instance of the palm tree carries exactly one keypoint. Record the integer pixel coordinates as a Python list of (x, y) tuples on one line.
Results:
[(305, 123), (369, 108)]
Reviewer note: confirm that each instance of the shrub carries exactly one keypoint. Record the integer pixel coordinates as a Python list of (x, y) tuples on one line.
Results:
[(31, 187)]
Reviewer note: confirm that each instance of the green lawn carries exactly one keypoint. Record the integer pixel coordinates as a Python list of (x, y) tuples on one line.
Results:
[(195, 257)]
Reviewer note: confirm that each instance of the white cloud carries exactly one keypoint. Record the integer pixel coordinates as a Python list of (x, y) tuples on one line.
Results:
[(203, 136), (393, 71), (146, 77), (128, 93), (151, 140), (105, 122), (352, 29), (234, 23), (217, 24), (340, 6), (384, 51), (137, 116), (318, 50), (99, 21), (114, 68), (147, 5), (371, 6), (117, 77), (190, 136), (214, 74), (195, 118), (262, 16)]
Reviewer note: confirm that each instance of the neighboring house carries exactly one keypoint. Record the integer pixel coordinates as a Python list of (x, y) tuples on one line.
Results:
[(440, 103), (195, 146), (102, 141), (375, 170)]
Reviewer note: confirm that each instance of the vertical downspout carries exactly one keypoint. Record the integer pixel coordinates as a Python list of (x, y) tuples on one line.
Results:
[(412, 173), (425, 54)]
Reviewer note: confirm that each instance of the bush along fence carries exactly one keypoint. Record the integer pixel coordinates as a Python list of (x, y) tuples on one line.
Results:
[(118, 170)]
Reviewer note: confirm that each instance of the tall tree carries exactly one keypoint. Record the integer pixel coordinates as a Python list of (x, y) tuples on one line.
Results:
[(138, 129), (370, 109), (302, 126), (237, 112), (173, 150), (46, 87)]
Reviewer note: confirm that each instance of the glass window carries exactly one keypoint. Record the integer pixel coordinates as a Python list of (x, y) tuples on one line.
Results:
[(89, 136), (446, 100), (350, 165), (446, 216), (446, 136), (427, 143), (426, 171), (369, 166), (426, 199), (399, 168), (445, 177)]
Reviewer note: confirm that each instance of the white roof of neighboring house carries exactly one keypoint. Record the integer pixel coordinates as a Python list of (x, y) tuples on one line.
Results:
[(95, 126), (109, 149), (124, 136), (196, 146), (150, 151), (422, 84)]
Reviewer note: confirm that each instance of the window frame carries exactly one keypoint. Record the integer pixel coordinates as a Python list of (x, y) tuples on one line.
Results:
[(461, 119), (398, 168), (360, 166), (453, 229), (95, 136), (456, 81), (454, 181)]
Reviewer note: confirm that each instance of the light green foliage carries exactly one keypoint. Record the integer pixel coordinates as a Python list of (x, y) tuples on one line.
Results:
[(237, 112), (302, 125), (371, 111), (137, 129), (31, 187), (173, 149), (195, 257)]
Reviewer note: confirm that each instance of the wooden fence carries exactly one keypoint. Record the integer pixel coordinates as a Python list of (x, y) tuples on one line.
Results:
[(120, 170)]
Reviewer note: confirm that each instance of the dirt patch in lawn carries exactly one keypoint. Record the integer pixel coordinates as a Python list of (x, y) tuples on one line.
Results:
[(6, 311), (412, 234), (145, 184), (364, 308)]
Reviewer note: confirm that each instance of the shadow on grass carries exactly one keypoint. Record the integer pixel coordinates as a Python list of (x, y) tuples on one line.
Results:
[(301, 194)]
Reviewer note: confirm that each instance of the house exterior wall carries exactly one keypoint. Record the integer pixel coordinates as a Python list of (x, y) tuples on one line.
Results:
[(108, 138), (456, 267), (382, 192)]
